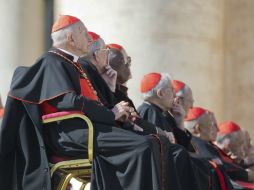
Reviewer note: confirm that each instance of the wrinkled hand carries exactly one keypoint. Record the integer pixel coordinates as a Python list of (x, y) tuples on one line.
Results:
[(121, 111), (178, 113), (177, 109), (170, 136), (110, 76), (133, 114)]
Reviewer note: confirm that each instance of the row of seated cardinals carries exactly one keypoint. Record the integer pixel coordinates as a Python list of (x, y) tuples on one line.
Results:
[(165, 143), (225, 145)]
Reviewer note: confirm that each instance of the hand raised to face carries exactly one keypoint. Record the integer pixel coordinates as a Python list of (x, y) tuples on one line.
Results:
[(110, 76)]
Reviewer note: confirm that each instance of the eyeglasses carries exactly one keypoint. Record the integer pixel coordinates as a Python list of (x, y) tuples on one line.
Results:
[(128, 61)]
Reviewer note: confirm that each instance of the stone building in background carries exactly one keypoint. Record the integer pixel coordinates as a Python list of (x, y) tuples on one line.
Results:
[(207, 44)]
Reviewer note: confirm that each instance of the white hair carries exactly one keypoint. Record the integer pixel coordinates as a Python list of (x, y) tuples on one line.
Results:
[(164, 82), (60, 37), (190, 125), (223, 138), (96, 45), (182, 92)]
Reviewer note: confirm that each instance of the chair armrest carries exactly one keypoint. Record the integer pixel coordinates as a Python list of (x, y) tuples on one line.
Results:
[(64, 115)]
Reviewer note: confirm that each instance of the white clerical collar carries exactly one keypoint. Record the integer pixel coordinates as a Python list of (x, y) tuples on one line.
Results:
[(75, 57)]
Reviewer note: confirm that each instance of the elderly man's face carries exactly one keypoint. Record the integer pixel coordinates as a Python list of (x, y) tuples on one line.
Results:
[(188, 100), (101, 56), (208, 127), (236, 146), (121, 62), (81, 39), (167, 96)]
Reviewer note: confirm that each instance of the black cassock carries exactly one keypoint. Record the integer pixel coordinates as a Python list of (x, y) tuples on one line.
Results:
[(122, 159), (109, 98), (209, 151), (173, 154), (201, 169), (181, 171)]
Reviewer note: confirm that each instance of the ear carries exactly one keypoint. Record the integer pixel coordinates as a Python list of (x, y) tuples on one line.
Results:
[(197, 129), (70, 39), (160, 93)]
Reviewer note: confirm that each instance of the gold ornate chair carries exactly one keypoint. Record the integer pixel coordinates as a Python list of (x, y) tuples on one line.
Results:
[(72, 172)]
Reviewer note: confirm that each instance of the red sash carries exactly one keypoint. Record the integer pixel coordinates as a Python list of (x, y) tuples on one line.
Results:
[(220, 176), (1, 113), (87, 89)]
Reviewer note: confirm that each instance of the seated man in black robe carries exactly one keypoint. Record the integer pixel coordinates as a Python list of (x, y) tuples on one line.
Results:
[(206, 133), (121, 62), (230, 139), (153, 111), (159, 98), (203, 125), (57, 82), (169, 149), (106, 82), (103, 75)]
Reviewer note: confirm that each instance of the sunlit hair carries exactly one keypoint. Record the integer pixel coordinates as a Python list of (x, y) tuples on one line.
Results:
[(190, 125), (96, 45), (223, 138), (183, 91), (164, 81), (60, 37)]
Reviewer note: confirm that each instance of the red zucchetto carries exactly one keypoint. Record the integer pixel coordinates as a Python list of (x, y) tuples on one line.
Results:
[(115, 46), (149, 81), (177, 85), (228, 127), (94, 36), (64, 21), (194, 113)]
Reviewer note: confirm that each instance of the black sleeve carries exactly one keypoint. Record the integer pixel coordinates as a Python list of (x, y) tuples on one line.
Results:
[(183, 138), (148, 127), (152, 116), (92, 109), (235, 172)]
